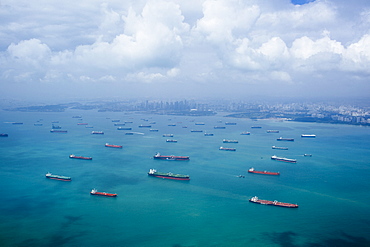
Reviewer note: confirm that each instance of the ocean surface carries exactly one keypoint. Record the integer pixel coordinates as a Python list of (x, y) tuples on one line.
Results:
[(332, 187)]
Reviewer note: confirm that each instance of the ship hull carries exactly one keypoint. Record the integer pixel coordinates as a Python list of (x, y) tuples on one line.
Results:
[(265, 172), (273, 203), (103, 194), (60, 179), (170, 177), (80, 157), (165, 157)]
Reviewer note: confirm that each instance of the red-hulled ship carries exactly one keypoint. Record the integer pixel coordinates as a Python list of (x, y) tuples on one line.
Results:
[(112, 145), (170, 157), (96, 193), (72, 156), (251, 170), (273, 203)]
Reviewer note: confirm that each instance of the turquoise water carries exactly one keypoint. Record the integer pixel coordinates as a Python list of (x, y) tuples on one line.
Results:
[(212, 209)]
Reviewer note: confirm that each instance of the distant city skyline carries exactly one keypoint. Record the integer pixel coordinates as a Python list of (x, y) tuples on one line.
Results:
[(228, 49)]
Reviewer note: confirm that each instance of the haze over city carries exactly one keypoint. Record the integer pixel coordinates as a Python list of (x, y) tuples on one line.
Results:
[(66, 50)]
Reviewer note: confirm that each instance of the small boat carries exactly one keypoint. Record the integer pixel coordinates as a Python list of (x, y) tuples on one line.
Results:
[(37, 124), (17, 123), (227, 149), (273, 203), (199, 123), (97, 132), (169, 175), (274, 157), (115, 120), (285, 139), (57, 177), (96, 193), (281, 148), (251, 170), (307, 155), (72, 156), (112, 146)]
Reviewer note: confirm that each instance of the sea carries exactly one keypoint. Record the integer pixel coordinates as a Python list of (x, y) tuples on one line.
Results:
[(331, 187)]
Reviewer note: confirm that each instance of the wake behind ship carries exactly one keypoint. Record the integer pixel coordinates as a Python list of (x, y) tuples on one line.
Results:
[(169, 175), (170, 157)]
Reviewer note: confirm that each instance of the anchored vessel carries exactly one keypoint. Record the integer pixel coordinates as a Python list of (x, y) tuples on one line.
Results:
[(58, 131), (227, 149), (285, 139), (72, 156), (57, 177), (251, 170), (96, 193), (112, 146), (169, 175), (229, 141), (281, 148), (245, 133), (272, 131), (273, 203), (3, 135), (171, 140), (274, 157), (308, 135), (97, 132), (170, 157)]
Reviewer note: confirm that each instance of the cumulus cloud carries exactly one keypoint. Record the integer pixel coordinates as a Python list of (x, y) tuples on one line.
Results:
[(206, 42)]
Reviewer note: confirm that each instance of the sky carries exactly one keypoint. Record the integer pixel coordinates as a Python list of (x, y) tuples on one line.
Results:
[(174, 49)]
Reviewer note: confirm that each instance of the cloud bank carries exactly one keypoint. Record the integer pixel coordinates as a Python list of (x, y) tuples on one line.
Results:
[(192, 48)]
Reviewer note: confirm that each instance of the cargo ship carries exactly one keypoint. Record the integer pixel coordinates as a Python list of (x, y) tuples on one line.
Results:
[(167, 135), (245, 133), (97, 132), (228, 123), (251, 170), (285, 139), (256, 127), (208, 134), (229, 141), (124, 128), (170, 157), (119, 124), (58, 131), (3, 135), (153, 130), (171, 140), (94, 192), (274, 157), (273, 203), (196, 131), (169, 175), (57, 177), (219, 127), (308, 135), (82, 123), (144, 126), (272, 131), (227, 149), (112, 146), (281, 148), (72, 156)]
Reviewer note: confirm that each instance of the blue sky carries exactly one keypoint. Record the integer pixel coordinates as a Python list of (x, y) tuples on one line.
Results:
[(90, 49)]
